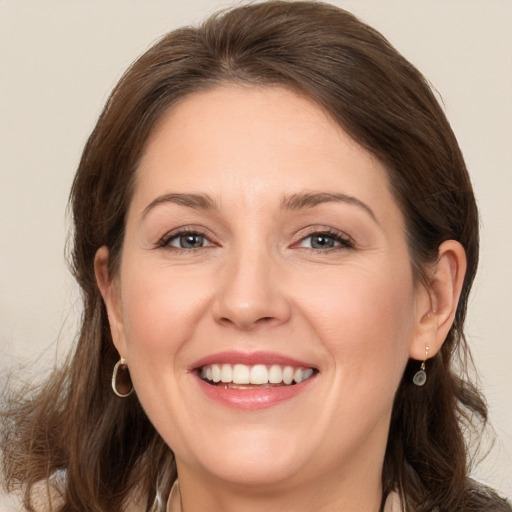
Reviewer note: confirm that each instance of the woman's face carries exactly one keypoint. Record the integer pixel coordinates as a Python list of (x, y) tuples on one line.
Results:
[(263, 245)]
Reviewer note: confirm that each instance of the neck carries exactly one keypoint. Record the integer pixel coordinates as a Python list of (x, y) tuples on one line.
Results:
[(350, 483), (344, 492)]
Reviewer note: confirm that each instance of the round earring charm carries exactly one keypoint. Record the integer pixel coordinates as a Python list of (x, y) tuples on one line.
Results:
[(420, 377)]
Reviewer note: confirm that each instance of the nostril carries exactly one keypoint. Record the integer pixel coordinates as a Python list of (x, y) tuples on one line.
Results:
[(248, 324), (263, 320), (250, 306)]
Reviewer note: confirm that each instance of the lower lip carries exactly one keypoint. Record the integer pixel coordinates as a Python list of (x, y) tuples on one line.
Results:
[(253, 399)]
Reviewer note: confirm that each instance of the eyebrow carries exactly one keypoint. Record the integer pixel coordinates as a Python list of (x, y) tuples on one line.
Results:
[(196, 201), (297, 201), (309, 199)]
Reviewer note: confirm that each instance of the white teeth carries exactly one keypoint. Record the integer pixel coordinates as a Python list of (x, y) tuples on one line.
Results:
[(258, 375), (275, 374), (302, 374), (226, 373), (241, 374), (288, 375), (308, 372), (215, 373)]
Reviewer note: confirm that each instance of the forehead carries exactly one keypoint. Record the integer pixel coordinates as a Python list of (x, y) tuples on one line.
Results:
[(252, 142)]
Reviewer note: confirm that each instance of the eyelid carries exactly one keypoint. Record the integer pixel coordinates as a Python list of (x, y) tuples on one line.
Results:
[(184, 230), (345, 240)]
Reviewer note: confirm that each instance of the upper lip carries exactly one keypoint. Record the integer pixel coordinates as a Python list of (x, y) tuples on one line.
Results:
[(250, 359)]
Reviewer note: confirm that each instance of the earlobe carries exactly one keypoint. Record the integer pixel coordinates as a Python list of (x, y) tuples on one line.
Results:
[(110, 292), (441, 296)]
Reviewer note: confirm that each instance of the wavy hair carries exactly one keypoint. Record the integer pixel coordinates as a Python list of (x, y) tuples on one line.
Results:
[(110, 452)]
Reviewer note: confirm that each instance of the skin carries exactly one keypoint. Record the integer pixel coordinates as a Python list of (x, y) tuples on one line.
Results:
[(352, 311)]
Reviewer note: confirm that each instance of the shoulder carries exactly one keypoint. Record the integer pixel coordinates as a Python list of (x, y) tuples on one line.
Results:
[(478, 498), (393, 503), (484, 499), (48, 495)]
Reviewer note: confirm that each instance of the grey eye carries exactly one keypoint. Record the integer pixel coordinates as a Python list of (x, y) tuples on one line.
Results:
[(322, 241), (188, 241), (325, 241)]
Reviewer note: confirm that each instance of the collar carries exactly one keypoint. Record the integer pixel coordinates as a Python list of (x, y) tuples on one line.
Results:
[(174, 502)]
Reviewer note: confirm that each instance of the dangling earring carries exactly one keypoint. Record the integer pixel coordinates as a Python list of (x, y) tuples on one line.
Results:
[(121, 381), (420, 377)]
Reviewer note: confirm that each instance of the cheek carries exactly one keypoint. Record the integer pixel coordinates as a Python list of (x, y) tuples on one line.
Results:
[(365, 320), (161, 309)]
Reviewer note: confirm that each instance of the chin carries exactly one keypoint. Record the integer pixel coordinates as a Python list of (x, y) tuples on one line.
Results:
[(253, 459), (258, 474)]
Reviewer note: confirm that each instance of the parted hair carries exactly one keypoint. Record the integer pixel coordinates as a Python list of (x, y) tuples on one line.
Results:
[(106, 447)]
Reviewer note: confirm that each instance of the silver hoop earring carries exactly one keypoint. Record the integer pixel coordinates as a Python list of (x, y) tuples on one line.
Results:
[(121, 381), (420, 377)]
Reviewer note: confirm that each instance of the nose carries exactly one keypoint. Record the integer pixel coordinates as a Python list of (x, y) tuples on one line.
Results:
[(251, 292)]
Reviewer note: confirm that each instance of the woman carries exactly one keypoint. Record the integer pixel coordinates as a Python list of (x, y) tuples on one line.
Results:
[(276, 236)]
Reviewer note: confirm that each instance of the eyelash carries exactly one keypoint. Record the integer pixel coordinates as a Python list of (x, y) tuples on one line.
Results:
[(344, 241), (165, 241)]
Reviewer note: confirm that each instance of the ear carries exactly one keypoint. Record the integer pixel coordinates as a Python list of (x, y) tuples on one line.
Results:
[(437, 301), (109, 289)]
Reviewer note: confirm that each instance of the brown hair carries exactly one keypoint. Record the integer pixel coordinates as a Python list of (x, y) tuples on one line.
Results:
[(107, 446)]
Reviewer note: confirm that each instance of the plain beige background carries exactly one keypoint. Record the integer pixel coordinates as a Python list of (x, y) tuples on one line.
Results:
[(58, 62)]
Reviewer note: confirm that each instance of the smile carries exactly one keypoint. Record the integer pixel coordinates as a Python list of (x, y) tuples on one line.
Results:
[(241, 376), (253, 380)]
